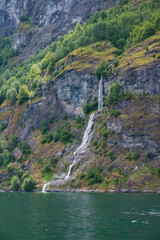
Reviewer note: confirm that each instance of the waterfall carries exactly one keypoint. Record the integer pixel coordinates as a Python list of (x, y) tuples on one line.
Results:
[(44, 187), (86, 136), (100, 95), (84, 143)]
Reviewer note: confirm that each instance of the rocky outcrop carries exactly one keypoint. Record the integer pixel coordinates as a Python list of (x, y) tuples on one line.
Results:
[(137, 80), (50, 19)]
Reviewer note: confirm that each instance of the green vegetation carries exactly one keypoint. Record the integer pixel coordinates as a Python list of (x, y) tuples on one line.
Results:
[(116, 94), (114, 113), (101, 70), (23, 94), (5, 155), (3, 126), (29, 184), (89, 107), (94, 175), (25, 147), (124, 26), (15, 183)]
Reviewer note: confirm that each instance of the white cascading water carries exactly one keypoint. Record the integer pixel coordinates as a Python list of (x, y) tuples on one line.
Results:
[(100, 95), (84, 143), (86, 136), (44, 187)]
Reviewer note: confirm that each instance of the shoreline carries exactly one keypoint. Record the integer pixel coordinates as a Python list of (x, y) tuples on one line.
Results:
[(87, 191)]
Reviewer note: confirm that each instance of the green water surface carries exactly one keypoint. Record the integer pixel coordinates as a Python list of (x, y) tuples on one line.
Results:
[(74, 216)]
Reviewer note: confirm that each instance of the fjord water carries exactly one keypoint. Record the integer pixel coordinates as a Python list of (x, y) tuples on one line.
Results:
[(71, 216)]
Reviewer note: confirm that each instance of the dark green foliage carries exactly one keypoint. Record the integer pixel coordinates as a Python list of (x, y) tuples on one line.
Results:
[(15, 183), (89, 107), (101, 70), (25, 147), (63, 133), (82, 176), (3, 126), (115, 94), (128, 156), (6, 51), (135, 156), (5, 156), (149, 155), (114, 113), (23, 18), (12, 95), (50, 120), (19, 173), (104, 132), (157, 171), (109, 168), (47, 168), (55, 73), (94, 175), (23, 94), (14, 141), (10, 168), (111, 155), (44, 126), (54, 161), (29, 184)]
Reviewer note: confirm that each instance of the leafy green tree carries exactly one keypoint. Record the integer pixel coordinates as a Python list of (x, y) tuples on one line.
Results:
[(12, 95), (15, 183), (101, 70), (25, 147), (115, 94), (10, 168), (23, 94), (29, 184)]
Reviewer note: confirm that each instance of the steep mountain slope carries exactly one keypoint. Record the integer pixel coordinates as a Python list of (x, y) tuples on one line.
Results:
[(47, 100), (37, 23)]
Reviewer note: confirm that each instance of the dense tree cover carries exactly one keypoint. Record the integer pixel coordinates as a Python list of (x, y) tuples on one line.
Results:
[(5, 155), (124, 25), (6, 51)]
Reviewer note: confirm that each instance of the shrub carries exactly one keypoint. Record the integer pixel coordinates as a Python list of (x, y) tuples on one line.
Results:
[(15, 183), (128, 156), (149, 155), (157, 171), (101, 70), (29, 184), (44, 126), (115, 94), (12, 95), (93, 175), (25, 175), (43, 140), (135, 156), (65, 136), (47, 168), (111, 155), (3, 126), (23, 94), (54, 161), (114, 113), (82, 176), (89, 107), (19, 173), (109, 168), (10, 168), (50, 137), (25, 147)]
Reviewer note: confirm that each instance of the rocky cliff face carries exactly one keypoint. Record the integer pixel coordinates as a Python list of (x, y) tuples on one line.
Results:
[(50, 19)]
